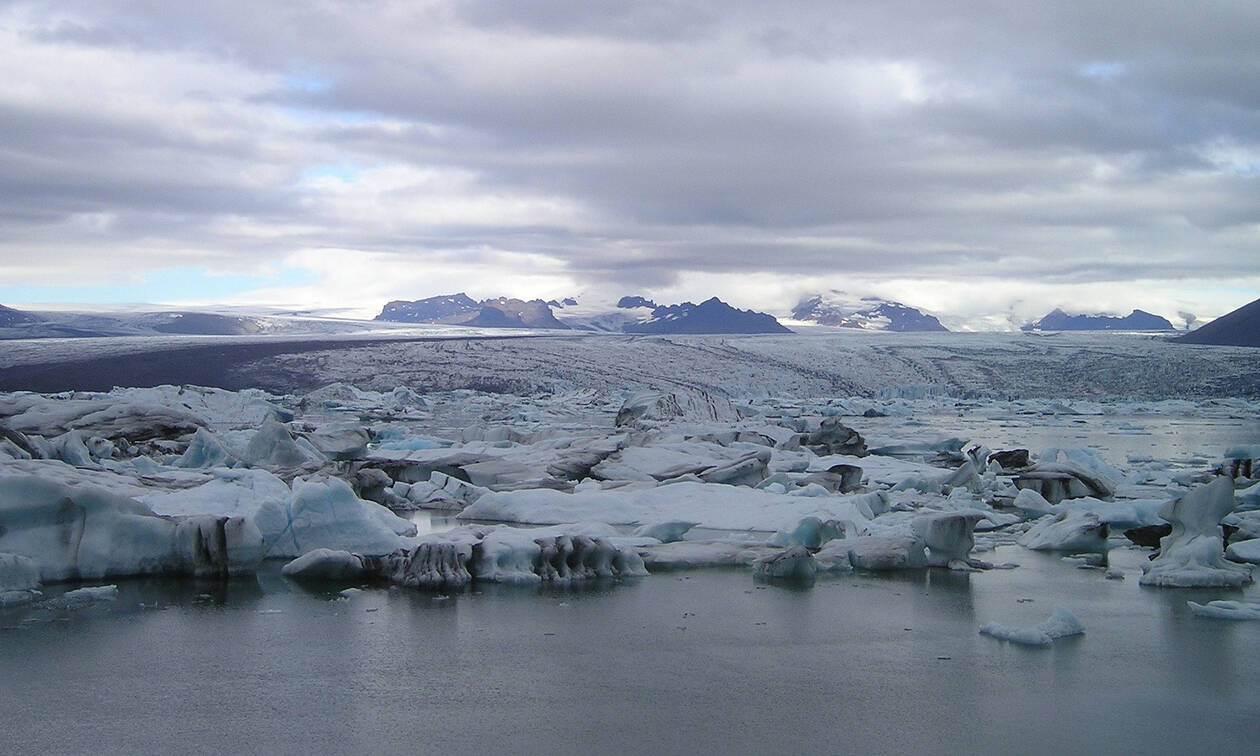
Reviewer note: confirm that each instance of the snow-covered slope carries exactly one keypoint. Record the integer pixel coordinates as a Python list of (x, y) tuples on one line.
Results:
[(868, 313)]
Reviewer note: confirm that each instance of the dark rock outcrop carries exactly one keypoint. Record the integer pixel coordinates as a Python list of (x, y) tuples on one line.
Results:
[(1238, 328)]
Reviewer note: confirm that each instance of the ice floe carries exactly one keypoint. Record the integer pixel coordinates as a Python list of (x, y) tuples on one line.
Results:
[(1060, 624)]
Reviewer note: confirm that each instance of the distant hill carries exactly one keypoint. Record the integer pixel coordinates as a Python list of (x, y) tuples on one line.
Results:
[(460, 309), (1238, 328), (1138, 320), (10, 317), (868, 313), (710, 316), (199, 323)]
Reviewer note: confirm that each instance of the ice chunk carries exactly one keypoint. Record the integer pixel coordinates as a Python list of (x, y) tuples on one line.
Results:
[(87, 532), (834, 437), (432, 565), (948, 536), (274, 447), (1192, 555), (712, 506), (326, 564), (1061, 623), (19, 580), (809, 532), (217, 546), (746, 471), (884, 553), (81, 597), (339, 441), (692, 554), (1230, 610), (1244, 551), (1057, 481), (327, 514), (650, 408), (795, 563), (1247, 499), (1071, 530), (1032, 504), (206, 450), (668, 531)]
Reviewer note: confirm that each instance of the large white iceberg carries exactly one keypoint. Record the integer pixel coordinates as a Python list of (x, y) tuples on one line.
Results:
[(86, 532)]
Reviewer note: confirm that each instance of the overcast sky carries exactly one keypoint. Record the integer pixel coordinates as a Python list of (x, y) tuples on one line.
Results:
[(984, 160)]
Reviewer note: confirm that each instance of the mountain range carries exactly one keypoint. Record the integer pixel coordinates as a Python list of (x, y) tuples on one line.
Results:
[(634, 315), (1138, 320), (460, 309)]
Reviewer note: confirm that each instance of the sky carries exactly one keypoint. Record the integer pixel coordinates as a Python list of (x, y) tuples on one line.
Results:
[(986, 161)]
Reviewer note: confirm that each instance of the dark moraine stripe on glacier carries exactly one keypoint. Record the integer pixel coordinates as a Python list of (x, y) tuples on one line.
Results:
[(214, 365)]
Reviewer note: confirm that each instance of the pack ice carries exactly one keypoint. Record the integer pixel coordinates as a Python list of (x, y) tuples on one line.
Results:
[(576, 484)]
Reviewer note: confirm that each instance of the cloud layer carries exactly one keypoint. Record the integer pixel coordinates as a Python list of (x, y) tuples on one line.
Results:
[(988, 159)]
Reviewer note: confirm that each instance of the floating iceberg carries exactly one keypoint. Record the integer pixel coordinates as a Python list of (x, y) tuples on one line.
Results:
[(795, 563), (326, 514), (84, 532), (1061, 623), (1230, 610), (1193, 554), (19, 580), (1071, 530)]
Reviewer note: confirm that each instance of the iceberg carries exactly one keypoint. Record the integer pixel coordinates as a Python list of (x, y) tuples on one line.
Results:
[(326, 565), (1070, 530), (1230, 610), (668, 531), (795, 563), (1061, 624), (810, 532), (19, 580), (1244, 551), (1193, 554), (326, 514), (86, 532)]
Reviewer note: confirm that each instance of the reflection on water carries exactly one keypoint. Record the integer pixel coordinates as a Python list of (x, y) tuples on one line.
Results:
[(875, 662)]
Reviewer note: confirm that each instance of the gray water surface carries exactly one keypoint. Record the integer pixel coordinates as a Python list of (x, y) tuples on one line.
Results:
[(704, 661)]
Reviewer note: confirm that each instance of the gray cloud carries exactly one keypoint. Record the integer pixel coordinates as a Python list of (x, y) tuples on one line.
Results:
[(633, 142)]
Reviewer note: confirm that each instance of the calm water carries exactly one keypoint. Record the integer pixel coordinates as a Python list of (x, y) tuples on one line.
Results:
[(704, 661)]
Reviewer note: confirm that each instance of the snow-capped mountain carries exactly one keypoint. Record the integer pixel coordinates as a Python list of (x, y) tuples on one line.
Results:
[(867, 313), (710, 316), (1138, 320), (460, 309)]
